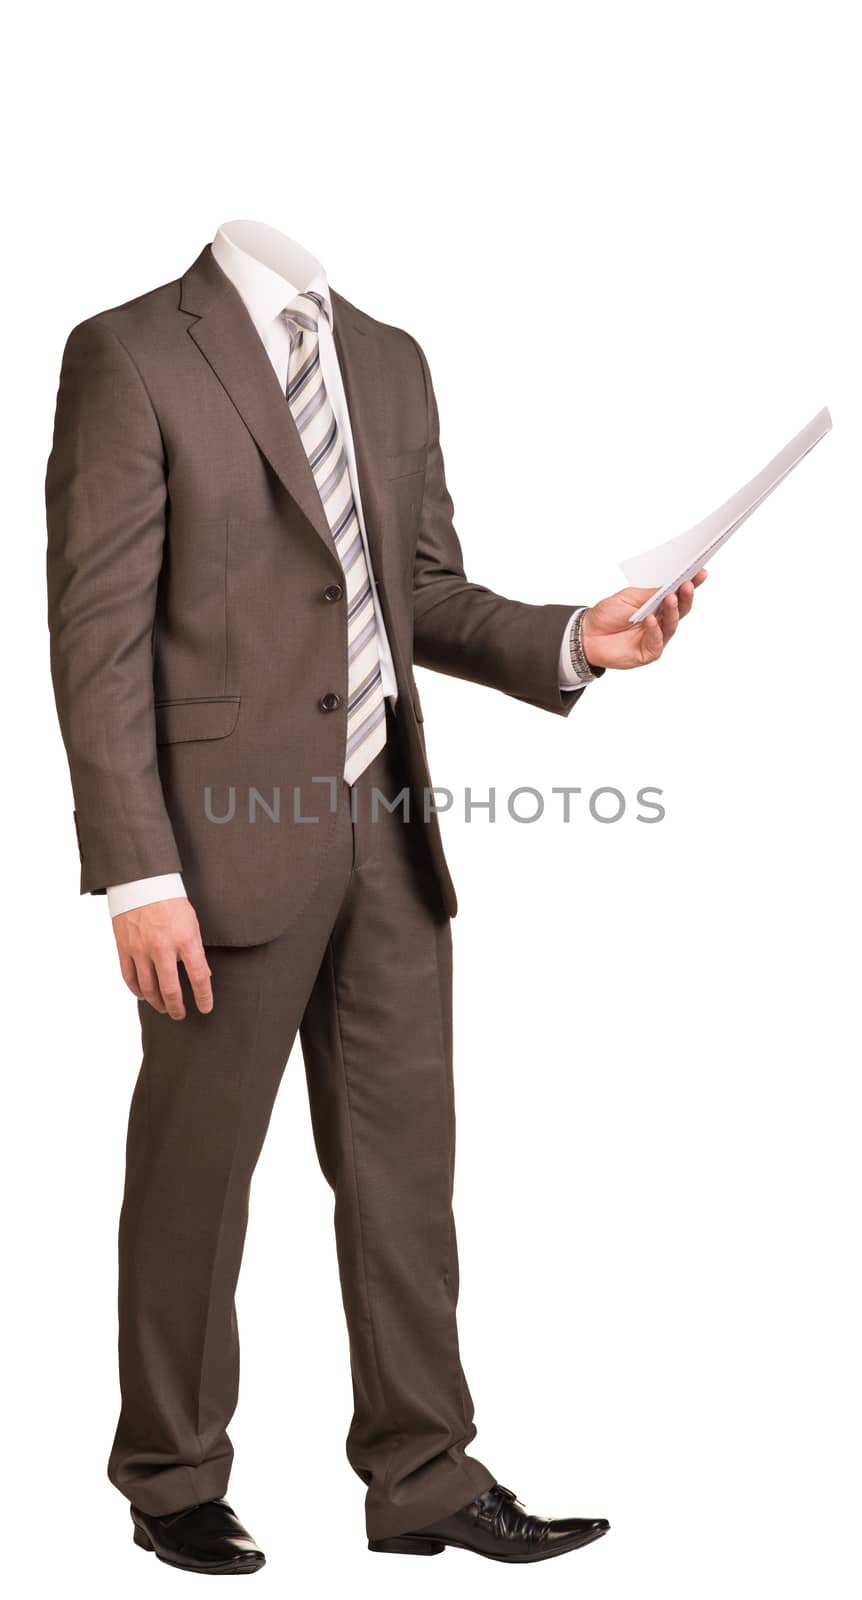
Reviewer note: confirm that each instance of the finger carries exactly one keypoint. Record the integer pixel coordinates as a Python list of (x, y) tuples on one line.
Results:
[(652, 640), (685, 597), (669, 617), (148, 984), (169, 985), (699, 577), (130, 976), (199, 976)]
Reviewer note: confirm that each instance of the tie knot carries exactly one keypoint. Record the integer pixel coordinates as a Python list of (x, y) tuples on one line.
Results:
[(303, 312)]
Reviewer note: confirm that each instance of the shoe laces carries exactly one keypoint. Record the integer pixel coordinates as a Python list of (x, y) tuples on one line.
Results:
[(508, 1518)]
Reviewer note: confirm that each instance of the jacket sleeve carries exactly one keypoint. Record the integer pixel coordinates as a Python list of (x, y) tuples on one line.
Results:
[(467, 630), (105, 498)]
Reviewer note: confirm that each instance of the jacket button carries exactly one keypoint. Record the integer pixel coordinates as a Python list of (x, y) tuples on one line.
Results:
[(330, 702), (333, 592)]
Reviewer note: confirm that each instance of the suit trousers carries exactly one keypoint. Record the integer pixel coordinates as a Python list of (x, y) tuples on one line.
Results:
[(364, 975)]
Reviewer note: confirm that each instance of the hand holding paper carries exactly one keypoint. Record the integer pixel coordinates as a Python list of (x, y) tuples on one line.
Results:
[(632, 627), (609, 639)]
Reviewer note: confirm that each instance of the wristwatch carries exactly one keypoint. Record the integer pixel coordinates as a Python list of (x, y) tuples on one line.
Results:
[(576, 651)]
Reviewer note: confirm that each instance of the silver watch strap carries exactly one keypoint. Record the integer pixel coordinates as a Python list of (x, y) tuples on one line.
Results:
[(576, 651)]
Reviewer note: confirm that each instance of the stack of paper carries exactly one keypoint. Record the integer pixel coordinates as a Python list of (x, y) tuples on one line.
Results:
[(668, 565)]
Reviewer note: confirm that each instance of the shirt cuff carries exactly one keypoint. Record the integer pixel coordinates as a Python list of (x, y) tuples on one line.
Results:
[(144, 892), (570, 678)]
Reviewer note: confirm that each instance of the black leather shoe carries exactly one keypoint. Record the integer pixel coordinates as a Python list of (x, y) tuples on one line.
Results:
[(204, 1538), (497, 1525)]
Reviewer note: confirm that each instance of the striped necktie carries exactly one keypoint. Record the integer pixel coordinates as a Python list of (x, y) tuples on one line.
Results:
[(318, 430)]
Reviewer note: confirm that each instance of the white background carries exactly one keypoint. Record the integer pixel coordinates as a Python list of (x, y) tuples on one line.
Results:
[(627, 239)]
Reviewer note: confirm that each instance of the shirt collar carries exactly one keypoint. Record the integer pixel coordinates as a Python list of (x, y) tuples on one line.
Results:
[(267, 269)]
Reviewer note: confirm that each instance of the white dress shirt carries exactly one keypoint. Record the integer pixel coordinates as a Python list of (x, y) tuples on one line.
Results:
[(267, 269)]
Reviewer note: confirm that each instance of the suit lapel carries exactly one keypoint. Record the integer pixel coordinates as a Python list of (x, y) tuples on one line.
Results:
[(227, 338), (360, 364)]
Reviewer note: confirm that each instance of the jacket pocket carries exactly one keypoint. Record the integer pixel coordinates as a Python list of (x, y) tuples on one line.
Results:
[(201, 718), (402, 463)]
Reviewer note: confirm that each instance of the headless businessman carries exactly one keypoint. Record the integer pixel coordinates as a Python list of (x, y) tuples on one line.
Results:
[(250, 543)]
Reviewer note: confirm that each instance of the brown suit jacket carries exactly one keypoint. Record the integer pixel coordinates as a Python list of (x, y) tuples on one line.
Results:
[(188, 559)]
